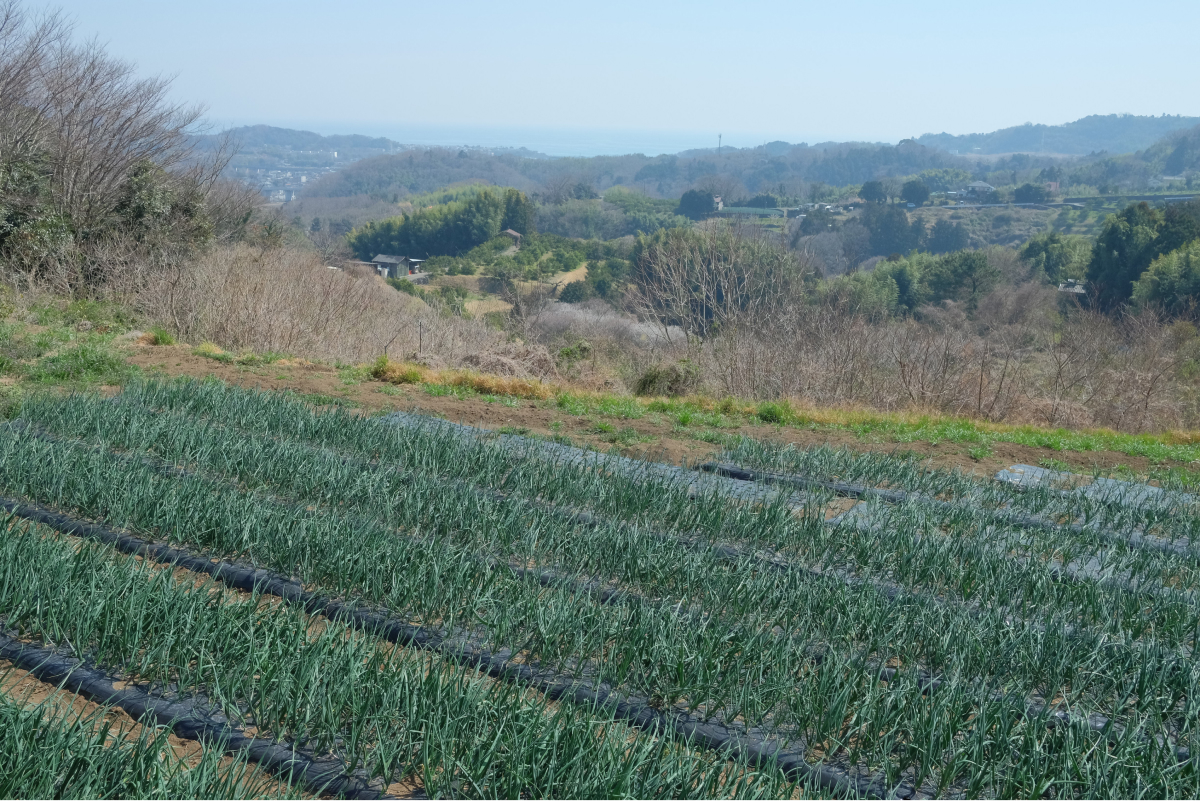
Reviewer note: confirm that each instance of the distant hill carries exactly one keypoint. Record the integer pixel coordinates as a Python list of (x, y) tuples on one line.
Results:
[(259, 136), (277, 144), (1114, 133), (1160, 164), (1177, 153)]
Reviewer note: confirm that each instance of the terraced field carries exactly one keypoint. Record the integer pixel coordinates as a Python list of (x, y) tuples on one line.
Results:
[(396, 606)]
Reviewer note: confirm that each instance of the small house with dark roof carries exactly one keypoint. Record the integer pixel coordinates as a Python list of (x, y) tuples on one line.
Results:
[(980, 188), (513, 235), (396, 266)]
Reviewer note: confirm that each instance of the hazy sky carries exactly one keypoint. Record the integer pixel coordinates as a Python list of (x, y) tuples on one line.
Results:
[(799, 71)]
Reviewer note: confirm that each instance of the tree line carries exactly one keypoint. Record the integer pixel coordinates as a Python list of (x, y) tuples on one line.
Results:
[(449, 229)]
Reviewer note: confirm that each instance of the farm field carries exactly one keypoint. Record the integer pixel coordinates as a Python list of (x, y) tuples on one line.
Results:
[(368, 606)]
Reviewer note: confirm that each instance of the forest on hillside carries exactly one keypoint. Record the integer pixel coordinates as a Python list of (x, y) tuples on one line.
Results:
[(793, 173), (1110, 133)]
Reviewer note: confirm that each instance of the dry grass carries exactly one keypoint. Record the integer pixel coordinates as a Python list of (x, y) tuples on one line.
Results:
[(479, 308), (499, 385), (484, 384), (282, 301)]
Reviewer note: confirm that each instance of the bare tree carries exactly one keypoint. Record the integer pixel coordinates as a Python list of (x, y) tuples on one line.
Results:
[(83, 131), (718, 278), (724, 186), (26, 48)]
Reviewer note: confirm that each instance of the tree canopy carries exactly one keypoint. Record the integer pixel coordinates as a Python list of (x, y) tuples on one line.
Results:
[(1123, 251), (705, 280), (1134, 238), (915, 192), (948, 236), (1031, 193), (446, 230), (1055, 257), (696, 204), (1172, 282), (873, 192)]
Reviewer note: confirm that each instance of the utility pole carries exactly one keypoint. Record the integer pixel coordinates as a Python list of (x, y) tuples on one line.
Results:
[(718, 145)]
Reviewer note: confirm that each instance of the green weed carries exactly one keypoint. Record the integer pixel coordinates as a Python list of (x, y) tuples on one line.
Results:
[(161, 336), (92, 362)]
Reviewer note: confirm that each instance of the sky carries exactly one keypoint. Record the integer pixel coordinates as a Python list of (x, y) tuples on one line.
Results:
[(585, 78)]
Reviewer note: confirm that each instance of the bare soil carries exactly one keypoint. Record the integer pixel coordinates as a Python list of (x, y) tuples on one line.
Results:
[(666, 444)]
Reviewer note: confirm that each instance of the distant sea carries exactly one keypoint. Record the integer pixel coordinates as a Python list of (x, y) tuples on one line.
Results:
[(550, 141)]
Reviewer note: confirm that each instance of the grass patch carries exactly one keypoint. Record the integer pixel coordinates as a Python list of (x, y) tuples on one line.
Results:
[(530, 388), (492, 386), (398, 372), (159, 336), (448, 391), (771, 412), (978, 452), (626, 437), (91, 362), (210, 351), (101, 316)]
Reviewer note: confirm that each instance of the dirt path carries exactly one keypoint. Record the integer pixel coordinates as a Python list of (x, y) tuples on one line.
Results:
[(661, 439)]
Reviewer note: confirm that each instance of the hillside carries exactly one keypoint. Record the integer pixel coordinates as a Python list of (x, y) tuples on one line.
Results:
[(256, 137), (777, 167), (1114, 133), (1173, 156)]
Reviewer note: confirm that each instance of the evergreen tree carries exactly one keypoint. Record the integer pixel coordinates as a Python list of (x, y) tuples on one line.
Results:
[(520, 213), (966, 276), (915, 192), (696, 204), (1123, 251), (890, 230), (1173, 281), (873, 192), (947, 237)]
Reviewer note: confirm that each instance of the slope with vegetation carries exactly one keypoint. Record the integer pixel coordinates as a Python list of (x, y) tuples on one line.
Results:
[(1112, 133)]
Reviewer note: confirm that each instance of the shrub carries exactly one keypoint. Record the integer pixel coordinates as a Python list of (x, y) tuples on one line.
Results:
[(405, 286), (671, 380)]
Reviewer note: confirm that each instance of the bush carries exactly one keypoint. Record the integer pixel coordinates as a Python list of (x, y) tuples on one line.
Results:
[(671, 380), (405, 286)]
